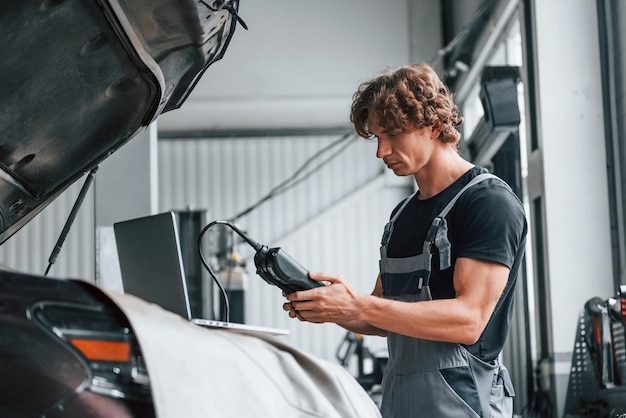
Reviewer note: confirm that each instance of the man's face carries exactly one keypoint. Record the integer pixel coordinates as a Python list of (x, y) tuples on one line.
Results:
[(403, 152)]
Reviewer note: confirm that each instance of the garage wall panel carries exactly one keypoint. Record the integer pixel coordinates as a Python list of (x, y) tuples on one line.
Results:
[(29, 249)]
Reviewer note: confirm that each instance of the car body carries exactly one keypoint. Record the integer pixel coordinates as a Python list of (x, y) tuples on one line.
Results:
[(81, 78)]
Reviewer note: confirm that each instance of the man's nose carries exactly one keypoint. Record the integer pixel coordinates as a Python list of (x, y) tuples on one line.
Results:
[(383, 148)]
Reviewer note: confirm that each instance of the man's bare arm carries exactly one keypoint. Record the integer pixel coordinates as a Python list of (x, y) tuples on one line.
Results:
[(478, 285)]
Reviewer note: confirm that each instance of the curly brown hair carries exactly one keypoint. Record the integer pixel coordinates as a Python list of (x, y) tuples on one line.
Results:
[(411, 97)]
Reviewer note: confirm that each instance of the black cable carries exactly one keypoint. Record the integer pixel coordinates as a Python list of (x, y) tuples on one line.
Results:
[(310, 173), (228, 6), (231, 9), (226, 316), (229, 267), (293, 180), (223, 292), (70, 219)]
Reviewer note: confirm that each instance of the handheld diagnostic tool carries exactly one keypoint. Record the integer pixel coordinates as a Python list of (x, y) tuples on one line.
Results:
[(275, 266)]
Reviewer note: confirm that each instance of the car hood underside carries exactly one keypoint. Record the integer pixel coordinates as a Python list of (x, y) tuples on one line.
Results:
[(80, 78)]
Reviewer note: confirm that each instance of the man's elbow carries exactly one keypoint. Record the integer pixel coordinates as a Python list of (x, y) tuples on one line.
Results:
[(471, 332), (469, 339)]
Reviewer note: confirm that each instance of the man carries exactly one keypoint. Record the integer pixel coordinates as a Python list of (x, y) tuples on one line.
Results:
[(444, 294)]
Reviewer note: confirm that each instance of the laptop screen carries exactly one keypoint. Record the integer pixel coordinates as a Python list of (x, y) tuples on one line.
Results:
[(150, 260)]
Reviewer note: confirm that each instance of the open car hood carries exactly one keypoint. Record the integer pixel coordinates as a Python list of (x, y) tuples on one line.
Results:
[(80, 78)]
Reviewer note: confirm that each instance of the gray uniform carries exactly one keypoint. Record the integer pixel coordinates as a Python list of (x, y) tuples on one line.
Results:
[(429, 378)]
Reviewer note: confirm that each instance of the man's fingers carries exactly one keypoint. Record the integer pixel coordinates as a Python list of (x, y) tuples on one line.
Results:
[(322, 277)]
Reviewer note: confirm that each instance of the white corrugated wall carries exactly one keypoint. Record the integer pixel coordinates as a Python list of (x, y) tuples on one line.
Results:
[(332, 221), (29, 249)]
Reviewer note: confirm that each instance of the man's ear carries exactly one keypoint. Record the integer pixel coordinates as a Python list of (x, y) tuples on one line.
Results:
[(435, 129)]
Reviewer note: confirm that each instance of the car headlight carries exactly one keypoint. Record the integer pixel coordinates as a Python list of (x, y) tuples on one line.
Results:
[(101, 338)]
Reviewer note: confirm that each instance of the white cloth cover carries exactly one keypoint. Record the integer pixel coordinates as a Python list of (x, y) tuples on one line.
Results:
[(200, 372)]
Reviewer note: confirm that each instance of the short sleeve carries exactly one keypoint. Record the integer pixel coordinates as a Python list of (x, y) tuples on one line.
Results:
[(489, 223)]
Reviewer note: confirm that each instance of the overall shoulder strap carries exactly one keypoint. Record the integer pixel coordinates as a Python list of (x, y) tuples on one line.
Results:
[(406, 202), (389, 226), (438, 232), (479, 178)]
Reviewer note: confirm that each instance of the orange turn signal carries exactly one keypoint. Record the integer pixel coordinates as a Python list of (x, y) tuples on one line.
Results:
[(103, 350)]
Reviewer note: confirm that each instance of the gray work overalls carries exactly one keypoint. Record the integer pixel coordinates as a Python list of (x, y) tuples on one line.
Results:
[(428, 378)]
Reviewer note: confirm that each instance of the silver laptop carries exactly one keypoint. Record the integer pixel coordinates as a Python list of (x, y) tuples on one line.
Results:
[(148, 250)]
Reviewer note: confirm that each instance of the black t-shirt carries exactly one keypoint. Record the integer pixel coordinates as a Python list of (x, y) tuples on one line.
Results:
[(488, 223)]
